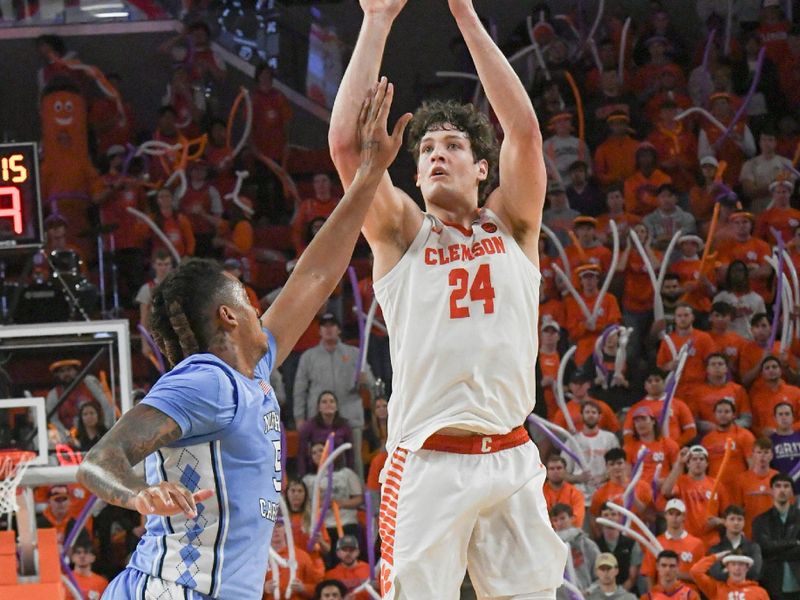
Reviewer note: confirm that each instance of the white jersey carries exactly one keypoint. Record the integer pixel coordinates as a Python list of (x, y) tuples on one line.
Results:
[(461, 309)]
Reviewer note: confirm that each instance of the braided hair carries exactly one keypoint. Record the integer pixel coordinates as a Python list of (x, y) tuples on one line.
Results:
[(182, 303)]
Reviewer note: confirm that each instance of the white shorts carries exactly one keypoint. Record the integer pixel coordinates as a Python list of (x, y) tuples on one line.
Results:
[(444, 512)]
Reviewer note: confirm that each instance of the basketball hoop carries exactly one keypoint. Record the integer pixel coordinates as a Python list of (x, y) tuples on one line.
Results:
[(13, 464)]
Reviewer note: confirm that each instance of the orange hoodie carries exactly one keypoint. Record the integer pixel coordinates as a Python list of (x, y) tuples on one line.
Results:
[(717, 590)]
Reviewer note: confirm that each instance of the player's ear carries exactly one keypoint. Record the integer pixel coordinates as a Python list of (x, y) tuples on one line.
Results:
[(227, 316), (416, 179), (483, 169)]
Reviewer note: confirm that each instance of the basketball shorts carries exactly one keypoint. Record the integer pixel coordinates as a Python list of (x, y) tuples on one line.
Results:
[(133, 584), (471, 503)]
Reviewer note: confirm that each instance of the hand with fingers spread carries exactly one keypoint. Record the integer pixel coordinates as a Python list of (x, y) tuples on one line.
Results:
[(378, 147), (169, 499)]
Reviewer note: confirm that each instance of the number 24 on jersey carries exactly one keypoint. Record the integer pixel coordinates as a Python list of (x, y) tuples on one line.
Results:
[(479, 290)]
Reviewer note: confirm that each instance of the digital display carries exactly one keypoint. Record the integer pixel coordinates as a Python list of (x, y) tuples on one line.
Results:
[(20, 206)]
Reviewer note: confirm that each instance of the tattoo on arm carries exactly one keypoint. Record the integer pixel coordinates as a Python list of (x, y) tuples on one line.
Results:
[(107, 470)]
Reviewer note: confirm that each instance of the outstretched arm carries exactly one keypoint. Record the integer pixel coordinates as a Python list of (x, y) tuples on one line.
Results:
[(520, 198), (323, 263), (393, 219)]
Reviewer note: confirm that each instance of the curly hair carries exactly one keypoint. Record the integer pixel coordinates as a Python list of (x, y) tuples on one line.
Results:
[(439, 115), (182, 303)]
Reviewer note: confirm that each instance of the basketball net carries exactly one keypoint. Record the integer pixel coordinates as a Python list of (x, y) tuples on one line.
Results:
[(13, 464)]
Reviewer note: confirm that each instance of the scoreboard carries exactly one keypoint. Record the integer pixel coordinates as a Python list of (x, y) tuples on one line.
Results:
[(20, 206)]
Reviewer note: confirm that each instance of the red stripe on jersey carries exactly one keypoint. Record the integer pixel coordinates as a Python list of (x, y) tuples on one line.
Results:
[(387, 516)]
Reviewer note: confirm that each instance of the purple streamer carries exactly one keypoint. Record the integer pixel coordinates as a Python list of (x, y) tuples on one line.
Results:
[(795, 472), (126, 164), (68, 572), (638, 466), (707, 51), (776, 310), (326, 501), (79, 524), (557, 442), (743, 108), (153, 346), (359, 301), (671, 388), (598, 354), (370, 533)]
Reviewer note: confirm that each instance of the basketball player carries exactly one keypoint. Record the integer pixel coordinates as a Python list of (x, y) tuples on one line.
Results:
[(459, 288), (209, 430)]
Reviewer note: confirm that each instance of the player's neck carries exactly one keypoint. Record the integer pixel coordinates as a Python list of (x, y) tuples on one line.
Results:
[(233, 354), (459, 213)]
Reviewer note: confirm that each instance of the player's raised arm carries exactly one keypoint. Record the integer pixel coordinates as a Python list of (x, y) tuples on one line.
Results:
[(523, 180), (386, 218), (323, 263)]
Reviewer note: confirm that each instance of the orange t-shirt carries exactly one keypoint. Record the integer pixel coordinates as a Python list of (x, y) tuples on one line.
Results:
[(613, 492), (569, 495), (597, 255), (179, 232), (725, 590), (608, 420), (705, 395), (549, 363), (351, 577), (663, 451), (552, 308), (743, 441), (688, 270), (731, 345), (306, 572), (689, 548), (638, 291), (640, 191), (677, 153), (615, 160), (754, 494), (92, 585), (697, 496), (682, 427), (609, 314), (625, 222), (681, 592), (694, 371), (765, 399), (783, 219), (701, 201), (752, 252)]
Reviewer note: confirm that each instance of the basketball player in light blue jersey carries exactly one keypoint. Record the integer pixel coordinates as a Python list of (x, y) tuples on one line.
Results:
[(209, 430)]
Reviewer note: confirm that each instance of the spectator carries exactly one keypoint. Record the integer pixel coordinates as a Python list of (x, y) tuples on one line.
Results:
[(777, 532), (642, 186), (761, 171), (703, 196), (167, 132), (767, 392), (583, 195), (590, 443), (615, 158), (715, 442), (562, 148), (718, 385), (696, 286), (752, 251), (549, 360), (316, 430), (306, 576), (661, 450), (377, 431), (202, 205), (668, 218), (729, 343), (682, 428), (58, 514), (175, 226), (331, 365), (618, 481), (330, 589), (350, 571), (668, 585), (90, 584), (579, 383), (559, 216), (738, 146), (627, 552), (785, 440), (235, 237), (557, 490), (615, 202), (688, 548), (66, 409), (733, 539), (606, 587), (745, 302), (272, 116), (779, 215), (320, 206), (299, 504), (751, 487), (584, 332), (586, 248), (697, 491), (162, 264), (702, 346), (584, 550), (736, 585), (91, 426), (675, 144)]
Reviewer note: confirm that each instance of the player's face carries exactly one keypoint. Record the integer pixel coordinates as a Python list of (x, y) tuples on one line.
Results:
[(734, 524), (446, 167), (330, 592), (555, 472), (252, 333), (667, 571), (295, 496), (784, 417), (654, 386), (674, 519)]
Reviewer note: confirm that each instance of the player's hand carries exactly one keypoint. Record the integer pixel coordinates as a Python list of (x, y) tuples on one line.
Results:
[(387, 8), (378, 147), (168, 499)]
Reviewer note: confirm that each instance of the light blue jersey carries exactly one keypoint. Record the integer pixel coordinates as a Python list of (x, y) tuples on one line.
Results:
[(230, 443)]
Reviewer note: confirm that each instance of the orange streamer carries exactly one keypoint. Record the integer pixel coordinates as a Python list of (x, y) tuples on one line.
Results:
[(578, 105)]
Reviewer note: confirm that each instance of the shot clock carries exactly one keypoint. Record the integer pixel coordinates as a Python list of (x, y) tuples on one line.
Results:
[(20, 206)]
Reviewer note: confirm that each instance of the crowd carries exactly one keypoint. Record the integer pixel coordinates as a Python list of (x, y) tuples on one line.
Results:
[(668, 346)]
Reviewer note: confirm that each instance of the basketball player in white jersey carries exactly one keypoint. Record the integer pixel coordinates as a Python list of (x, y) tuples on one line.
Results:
[(458, 286)]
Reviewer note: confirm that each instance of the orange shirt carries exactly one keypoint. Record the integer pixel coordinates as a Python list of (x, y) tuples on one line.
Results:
[(615, 160), (682, 427), (696, 495), (608, 420), (625, 222), (597, 255), (731, 345), (688, 270), (640, 191), (613, 492), (663, 451), (701, 202), (688, 547), (351, 577), (637, 294), (306, 572), (677, 153), (549, 363), (783, 219), (705, 396), (179, 232), (751, 355), (271, 114), (694, 371), (609, 314), (765, 399), (552, 308), (729, 151), (743, 441), (680, 592), (571, 496), (307, 211), (753, 493), (92, 585), (724, 590), (752, 252)]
